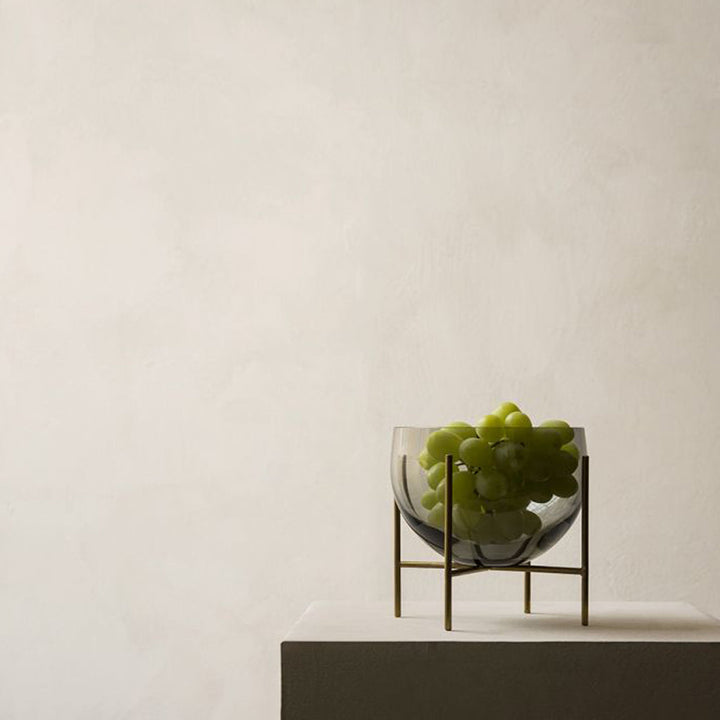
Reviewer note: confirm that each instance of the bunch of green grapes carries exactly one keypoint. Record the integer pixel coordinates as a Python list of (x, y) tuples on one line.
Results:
[(501, 465)]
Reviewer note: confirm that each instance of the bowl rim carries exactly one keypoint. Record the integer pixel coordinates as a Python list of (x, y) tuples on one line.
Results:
[(442, 427)]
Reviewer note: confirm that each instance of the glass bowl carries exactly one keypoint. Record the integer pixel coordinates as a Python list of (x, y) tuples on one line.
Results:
[(514, 496)]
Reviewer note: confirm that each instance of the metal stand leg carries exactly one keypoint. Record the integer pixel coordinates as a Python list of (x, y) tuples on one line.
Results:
[(396, 558), (585, 565), (527, 590), (448, 540)]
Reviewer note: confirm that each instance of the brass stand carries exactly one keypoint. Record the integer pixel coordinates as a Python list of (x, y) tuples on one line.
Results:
[(452, 569)]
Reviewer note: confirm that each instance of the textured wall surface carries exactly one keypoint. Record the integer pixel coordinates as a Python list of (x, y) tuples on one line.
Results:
[(239, 241)]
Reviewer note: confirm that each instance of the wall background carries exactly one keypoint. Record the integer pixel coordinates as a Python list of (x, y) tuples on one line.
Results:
[(239, 241)]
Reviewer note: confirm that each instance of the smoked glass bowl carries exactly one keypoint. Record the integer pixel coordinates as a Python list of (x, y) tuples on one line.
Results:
[(536, 494)]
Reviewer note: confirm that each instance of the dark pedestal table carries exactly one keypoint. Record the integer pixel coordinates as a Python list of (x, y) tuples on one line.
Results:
[(636, 660)]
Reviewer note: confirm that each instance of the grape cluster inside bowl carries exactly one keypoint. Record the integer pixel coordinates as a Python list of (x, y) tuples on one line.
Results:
[(516, 490)]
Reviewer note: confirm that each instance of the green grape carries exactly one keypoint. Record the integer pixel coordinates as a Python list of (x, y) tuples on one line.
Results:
[(463, 484), (436, 517), (476, 453), (545, 438), (442, 443), (531, 522), (504, 409), (564, 486), (428, 500), (539, 493), (472, 504), (465, 519), (462, 429), (509, 524), (435, 474), (515, 485), (537, 467), (460, 531), (568, 461), (523, 501), (491, 484), (484, 531), (552, 462), (571, 448), (560, 463), (490, 428), (509, 457), (514, 502), (518, 426), (489, 505), (566, 432), (426, 460)]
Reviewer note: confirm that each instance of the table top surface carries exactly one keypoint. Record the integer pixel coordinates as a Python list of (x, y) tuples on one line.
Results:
[(505, 622)]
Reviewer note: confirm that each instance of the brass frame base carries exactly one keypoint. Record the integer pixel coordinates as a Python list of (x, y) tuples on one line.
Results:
[(453, 569)]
